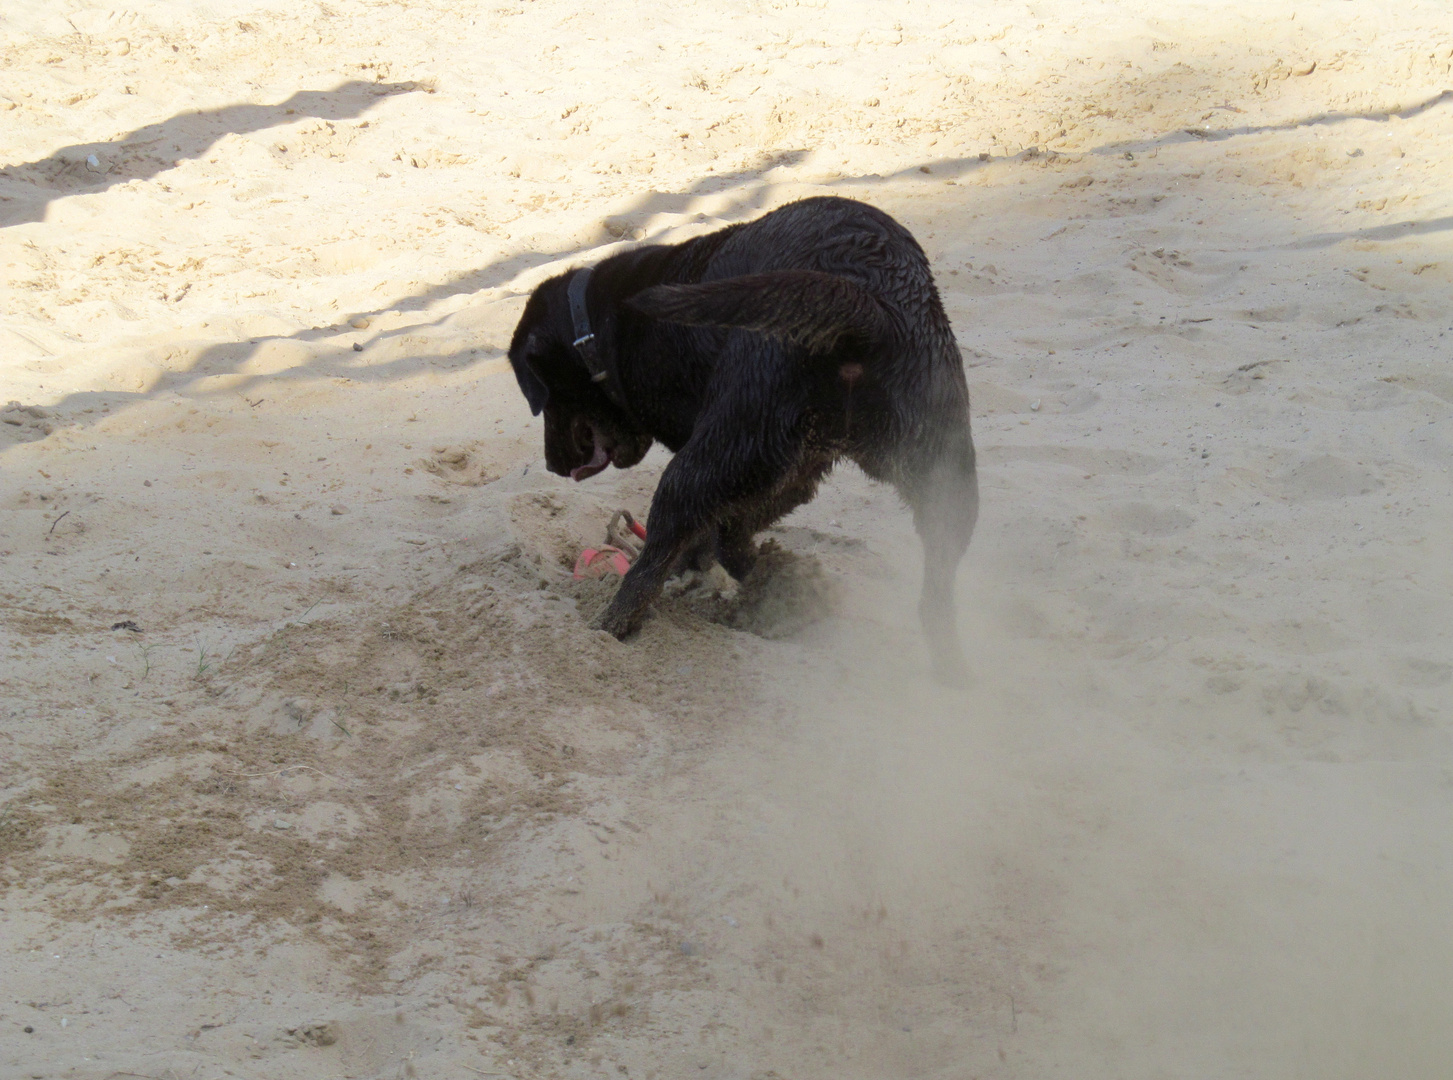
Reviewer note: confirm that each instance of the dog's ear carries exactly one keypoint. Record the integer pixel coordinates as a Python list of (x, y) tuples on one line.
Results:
[(531, 385), (536, 392)]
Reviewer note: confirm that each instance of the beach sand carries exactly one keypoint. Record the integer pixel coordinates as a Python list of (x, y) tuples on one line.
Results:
[(309, 765)]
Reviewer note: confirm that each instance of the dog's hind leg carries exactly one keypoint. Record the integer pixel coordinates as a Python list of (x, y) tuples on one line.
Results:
[(735, 548), (944, 496), (700, 556), (732, 542)]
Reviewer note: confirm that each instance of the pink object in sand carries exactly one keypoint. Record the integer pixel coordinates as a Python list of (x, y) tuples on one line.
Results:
[(597, 562), (617, 553)]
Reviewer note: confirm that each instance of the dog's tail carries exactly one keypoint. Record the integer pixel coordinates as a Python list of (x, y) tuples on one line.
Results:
[(806, 307)]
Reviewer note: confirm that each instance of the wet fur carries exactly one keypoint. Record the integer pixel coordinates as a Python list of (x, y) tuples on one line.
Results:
[(761, 355)]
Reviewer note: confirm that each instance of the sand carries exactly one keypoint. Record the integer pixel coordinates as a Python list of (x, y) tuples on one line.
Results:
[(309, 765)]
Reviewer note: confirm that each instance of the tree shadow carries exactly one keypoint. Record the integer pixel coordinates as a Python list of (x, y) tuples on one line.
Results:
[(748, 191), (962, 166), (1325, 119), (1395, 231), (155, 148), (751, 191), (334, 356)]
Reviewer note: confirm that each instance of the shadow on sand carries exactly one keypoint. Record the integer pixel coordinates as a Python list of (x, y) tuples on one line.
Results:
[(749, 191), (155, 148)]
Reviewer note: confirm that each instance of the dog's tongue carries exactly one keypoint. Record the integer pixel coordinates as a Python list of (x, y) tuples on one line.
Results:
[(596, 464)]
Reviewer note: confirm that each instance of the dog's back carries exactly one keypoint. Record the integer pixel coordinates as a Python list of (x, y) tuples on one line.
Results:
[(848, 285), (851, 240)]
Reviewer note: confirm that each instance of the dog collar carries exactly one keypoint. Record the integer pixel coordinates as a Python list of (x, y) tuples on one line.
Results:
[(600, 372)]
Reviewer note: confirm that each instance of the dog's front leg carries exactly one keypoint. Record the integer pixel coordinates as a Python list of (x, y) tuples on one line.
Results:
[(641, 585), (672, 532), (732, 461)]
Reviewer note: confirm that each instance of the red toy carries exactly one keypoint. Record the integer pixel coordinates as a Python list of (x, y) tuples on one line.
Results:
[(617, 553)]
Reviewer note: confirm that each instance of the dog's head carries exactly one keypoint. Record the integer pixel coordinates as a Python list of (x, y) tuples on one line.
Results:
[(584, 430)]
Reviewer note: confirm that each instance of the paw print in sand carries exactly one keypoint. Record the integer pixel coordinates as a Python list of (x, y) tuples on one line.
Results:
[(459, 465)]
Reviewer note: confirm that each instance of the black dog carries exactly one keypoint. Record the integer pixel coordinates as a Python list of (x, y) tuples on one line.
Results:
[(760, 355)]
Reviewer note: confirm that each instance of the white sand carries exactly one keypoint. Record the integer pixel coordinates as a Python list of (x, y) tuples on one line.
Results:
[(364, 798)]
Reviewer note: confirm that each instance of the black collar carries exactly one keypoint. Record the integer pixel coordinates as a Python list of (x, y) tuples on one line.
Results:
[(601, 371)]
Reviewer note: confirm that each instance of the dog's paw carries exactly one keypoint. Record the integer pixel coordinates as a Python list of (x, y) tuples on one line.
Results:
[(616, 623)]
